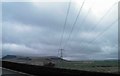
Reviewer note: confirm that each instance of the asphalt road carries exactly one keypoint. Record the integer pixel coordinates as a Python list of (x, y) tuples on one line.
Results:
[(7, 72)]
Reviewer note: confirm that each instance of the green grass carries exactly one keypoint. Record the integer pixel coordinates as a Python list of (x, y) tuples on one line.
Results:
[(98, 66)]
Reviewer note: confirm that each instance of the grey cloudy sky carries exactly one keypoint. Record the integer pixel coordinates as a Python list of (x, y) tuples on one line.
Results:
[(35, 28)]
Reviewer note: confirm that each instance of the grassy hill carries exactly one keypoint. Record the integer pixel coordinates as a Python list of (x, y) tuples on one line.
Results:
[(32, 60), (109, 66)]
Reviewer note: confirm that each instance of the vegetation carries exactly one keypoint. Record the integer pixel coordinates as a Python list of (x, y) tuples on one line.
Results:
[(109, 66)]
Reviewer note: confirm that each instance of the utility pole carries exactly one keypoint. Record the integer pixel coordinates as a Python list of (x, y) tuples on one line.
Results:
[(61, 53)]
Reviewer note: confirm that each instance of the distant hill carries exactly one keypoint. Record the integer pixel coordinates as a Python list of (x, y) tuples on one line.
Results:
[(14, 57), (9, 57), (43, 59)]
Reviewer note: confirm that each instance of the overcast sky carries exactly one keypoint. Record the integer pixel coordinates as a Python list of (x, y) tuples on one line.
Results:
[(35, 29)]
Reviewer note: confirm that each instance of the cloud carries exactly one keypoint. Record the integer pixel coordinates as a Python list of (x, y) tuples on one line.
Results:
[(33, 50), (36, 28), (19, 49)]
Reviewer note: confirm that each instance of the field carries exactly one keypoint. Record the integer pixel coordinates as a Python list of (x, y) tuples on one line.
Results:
[(108, 66), (98, 66)]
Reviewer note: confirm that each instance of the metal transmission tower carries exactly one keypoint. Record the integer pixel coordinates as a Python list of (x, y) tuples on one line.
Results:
[(63, 32), (61, 53)]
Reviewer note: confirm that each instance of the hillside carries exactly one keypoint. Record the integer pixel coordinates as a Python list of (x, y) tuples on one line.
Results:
[(109, 66), (32, 60)]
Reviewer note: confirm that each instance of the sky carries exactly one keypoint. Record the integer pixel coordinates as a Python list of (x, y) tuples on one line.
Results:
[(34, 28)]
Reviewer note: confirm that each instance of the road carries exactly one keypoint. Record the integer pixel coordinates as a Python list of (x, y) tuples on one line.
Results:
[(7, 72)]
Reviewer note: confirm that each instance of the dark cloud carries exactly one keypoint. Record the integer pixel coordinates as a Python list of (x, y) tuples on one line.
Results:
[(31, 29)]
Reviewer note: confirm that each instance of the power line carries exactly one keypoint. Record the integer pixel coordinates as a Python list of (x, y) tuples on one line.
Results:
[(103, 17), (61, 40), (86, 15), (83, 21), (74, 23), (65, 24), (96, 24), (103, 32)]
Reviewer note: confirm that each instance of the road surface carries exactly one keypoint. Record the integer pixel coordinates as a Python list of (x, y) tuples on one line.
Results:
[(7, 72)]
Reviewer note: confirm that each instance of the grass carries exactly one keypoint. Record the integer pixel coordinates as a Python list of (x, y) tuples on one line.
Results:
[(98, 66)]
